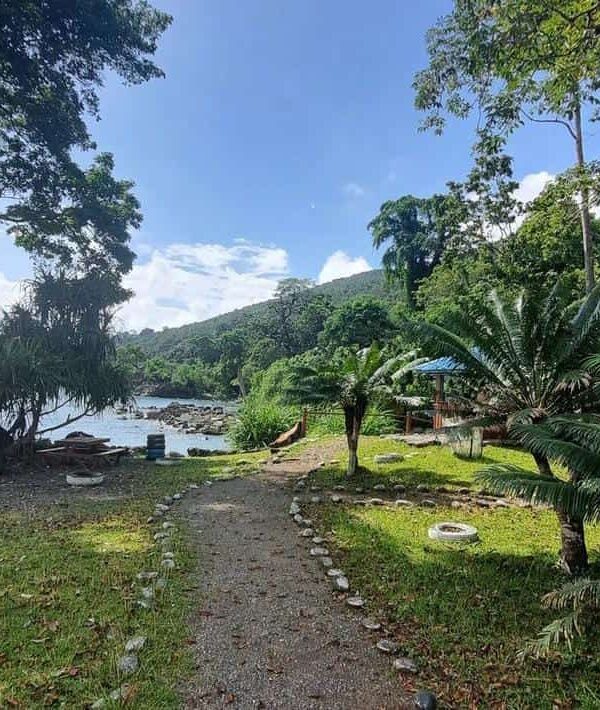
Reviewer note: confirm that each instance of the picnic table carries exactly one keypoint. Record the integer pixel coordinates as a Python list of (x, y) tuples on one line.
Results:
[(85, 450)]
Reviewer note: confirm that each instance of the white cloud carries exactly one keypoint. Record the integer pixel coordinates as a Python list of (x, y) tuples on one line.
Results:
[(183, 283), (531, 185), (353, 189), (10, 291), (339, 264)]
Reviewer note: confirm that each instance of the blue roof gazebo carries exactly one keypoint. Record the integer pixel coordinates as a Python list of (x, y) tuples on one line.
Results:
[(440, 368)]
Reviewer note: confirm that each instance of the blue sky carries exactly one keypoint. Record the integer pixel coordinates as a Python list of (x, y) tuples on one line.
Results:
[(278, 131)]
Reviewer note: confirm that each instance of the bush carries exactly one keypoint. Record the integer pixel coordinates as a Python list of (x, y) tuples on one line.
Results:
[(260, 421)]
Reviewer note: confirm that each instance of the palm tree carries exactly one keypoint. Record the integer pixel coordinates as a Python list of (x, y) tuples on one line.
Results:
[(531, 358), (350, 380)]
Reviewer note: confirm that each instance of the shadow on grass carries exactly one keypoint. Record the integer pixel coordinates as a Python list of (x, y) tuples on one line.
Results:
[(465, 611)]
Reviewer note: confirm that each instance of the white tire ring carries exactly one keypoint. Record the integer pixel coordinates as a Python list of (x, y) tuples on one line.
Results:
[(453, 532), (85, 480)]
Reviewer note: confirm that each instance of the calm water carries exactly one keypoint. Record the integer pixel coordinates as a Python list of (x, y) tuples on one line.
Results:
[(124, 430)]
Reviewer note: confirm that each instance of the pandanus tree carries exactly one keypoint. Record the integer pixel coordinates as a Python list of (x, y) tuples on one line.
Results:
[(531, 360), (350, 380)]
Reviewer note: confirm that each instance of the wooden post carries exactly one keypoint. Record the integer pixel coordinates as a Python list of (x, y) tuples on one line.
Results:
[(304, 425), (408, 423)]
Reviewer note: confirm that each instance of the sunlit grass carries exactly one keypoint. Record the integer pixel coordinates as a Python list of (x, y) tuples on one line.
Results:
[(465, 611), (68, 592)]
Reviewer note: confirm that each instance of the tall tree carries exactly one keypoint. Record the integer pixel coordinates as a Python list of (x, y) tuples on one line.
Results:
[(359, 322), (514, 61), (53, 56), (415, 231), (291, 296)]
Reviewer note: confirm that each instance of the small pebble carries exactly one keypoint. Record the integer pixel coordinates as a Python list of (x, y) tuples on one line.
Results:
[(339, 488), (355, 602), (376, 501), (380, 487), (144, 576), (406, 665), (135, 644), (402, 502), (428, 503), (168, 555), (315, 499), (336, 499), (334, 572), (128, 664), (341, 583), (307, 532), (371, 625), (318, 540), (326, 561), (167, 525), (168, 564), (177, 496), (319, 552), (298, 519), (423, 488), (388, 646)]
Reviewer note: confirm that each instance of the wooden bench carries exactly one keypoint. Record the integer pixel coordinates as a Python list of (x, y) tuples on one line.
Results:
[(111, 455)]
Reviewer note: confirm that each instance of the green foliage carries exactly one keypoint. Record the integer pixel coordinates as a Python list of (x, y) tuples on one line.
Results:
[(260, 421), (52, 64), (358, 322), (377, 421), (57, 348), (417, 231)]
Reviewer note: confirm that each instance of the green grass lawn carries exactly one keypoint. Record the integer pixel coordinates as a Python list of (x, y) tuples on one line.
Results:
[(68, 590), (433, 465), (463, 612)]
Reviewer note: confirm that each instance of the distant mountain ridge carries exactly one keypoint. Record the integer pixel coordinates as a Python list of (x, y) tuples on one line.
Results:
[(369, 283)]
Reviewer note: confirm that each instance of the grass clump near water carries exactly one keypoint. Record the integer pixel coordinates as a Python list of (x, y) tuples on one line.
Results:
[(463, 612)]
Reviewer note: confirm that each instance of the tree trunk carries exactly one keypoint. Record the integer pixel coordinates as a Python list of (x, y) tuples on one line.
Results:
[(586, 222), (573, 554), (353, 421)]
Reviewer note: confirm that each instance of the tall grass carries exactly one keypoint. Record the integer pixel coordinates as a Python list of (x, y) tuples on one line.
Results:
[(260, 421)]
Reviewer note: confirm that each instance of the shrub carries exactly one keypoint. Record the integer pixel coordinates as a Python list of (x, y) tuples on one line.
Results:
[(261, 420)]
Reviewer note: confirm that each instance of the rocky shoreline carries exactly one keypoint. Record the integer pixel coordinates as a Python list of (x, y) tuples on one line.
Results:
[(193, 419)]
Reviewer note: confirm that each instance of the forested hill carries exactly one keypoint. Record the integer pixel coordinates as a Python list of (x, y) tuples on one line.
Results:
[(166, 342)]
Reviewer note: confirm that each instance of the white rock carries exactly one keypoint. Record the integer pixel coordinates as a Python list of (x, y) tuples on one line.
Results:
[(128, 664), (307, 521), (318, 540), (315, 499), (168, 555), (135, 644), (336, 499), (193, 486), (371, 625), (388, 646), (298, 519), (294, 508), (120, 693), (307, 532), (161, 583), (355, 602), (162, 507), (405, 665), (380, 487), (341, 583), (326, 561), (376, 501), (319, 552), (388, 458), (208, 483), (177, 496), (167, 525), (144, 576), (333, 572), (147, 592), (168, 564), (161, 535), (402, 503)]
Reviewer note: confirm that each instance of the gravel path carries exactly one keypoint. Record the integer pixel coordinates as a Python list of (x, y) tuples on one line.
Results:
[(268, 631)]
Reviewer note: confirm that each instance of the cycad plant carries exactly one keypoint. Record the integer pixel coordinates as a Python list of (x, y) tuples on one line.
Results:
[(351, 380), (531, 360)]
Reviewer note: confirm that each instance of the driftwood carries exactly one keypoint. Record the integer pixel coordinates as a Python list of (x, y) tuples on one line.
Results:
[(288, 437)]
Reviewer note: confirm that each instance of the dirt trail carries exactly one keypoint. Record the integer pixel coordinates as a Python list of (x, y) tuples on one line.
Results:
[(268, 632)]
